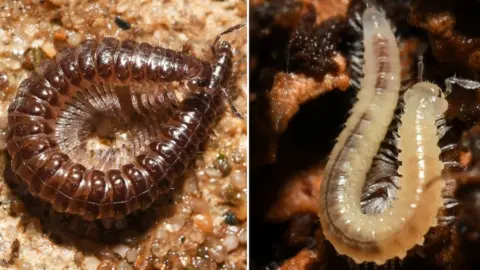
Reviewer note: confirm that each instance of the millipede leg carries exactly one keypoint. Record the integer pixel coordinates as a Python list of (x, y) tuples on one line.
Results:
[(465, 83), (232, 106)]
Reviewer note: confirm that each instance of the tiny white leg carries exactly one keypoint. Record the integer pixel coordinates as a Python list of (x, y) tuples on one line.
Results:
[(467, 84), (452, 164), (446, 220), (450, 203), (448, 147)]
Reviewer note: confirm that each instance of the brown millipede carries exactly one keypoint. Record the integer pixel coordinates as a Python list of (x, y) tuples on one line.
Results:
[(101, 87)]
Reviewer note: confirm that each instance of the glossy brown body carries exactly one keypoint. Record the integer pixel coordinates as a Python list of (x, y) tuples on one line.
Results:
[(94, 194)]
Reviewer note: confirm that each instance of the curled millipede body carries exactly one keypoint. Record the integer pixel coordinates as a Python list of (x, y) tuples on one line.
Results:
[(105, 88), (391, 233), (344, 224), (420, 196)]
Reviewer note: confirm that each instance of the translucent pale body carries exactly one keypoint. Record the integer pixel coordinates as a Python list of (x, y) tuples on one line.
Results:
[(396, 230)]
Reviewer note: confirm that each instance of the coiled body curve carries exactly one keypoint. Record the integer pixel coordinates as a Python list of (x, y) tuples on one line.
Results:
[(40, 159), (391, 233), (344, 224)]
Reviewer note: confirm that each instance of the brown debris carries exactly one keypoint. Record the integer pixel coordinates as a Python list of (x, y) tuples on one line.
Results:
[(15, 249), (301, 261), (300, 230), (469, 154), (294, 59), (299, 195), (297, 10), (289, 91), (60, 35), (452, 27), (465, 158), (409, 49), (204, 222), (312, 49), (329, 8), (463, 105)]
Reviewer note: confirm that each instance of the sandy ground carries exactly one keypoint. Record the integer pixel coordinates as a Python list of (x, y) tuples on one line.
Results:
[(203, 224)]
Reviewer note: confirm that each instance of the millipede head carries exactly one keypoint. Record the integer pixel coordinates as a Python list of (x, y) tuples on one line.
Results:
[(427, 92), (217, 38)]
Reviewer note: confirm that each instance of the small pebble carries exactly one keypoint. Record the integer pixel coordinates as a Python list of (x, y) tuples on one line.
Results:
[(203, 263), (91, 263), (121, 250), (190, 186), (238, 157), (241, 212), (197, 236), (78, 258), (131, 255), (76, 19), (199, 206), (230, 242), (243, 237), (122, 6), (124, 266), (60, 35), (160, 248), (74, 39), (239, 179), (176, 223), (23, 265), (161, 234), (217, 253), (204, 222), (49, 49), (213, 172)]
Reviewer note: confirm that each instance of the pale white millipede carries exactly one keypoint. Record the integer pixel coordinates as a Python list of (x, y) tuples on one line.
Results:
[(390, 234)]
